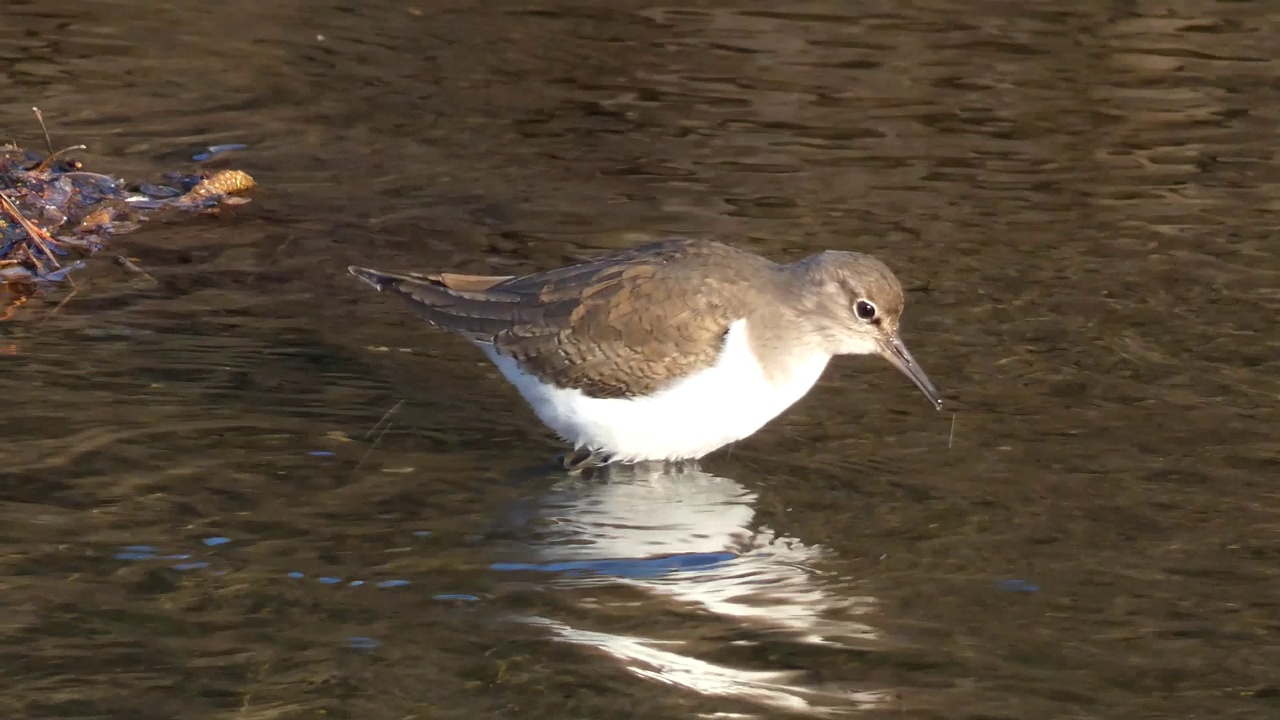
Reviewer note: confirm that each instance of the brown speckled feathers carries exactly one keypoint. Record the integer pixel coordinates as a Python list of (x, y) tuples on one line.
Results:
[(619, 325)]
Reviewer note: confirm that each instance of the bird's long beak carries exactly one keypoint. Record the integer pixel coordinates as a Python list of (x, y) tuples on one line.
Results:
[(896, 353)]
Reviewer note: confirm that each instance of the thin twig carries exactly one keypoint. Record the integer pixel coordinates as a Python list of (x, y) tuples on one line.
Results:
[(132, 267), (383, 419), (31, 257), (40, 119), (44, 164), (385, 427), (65, 300), (951, 440), (32, 229)]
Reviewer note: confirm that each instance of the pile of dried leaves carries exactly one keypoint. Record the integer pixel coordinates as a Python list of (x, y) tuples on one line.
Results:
[(54, 214)]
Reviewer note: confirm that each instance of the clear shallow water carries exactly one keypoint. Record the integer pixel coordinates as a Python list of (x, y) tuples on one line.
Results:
[(1082, 200)]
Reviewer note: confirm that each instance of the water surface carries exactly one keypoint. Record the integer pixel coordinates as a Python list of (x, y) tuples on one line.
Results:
[(256, 489)]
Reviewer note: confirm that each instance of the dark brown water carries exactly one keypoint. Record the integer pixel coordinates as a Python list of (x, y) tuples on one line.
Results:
[(203, 517)]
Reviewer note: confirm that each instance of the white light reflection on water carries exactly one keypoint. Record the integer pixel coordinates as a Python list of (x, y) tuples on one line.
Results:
[(687, 538)]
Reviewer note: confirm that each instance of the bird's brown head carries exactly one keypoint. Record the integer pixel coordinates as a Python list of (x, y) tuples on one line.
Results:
[(858, 302)]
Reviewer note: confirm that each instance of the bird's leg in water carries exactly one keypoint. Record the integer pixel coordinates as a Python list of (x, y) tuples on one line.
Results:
[(579, 459)]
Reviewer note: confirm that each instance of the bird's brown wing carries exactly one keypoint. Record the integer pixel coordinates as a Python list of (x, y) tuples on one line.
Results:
[(622, 325), (471, 308)]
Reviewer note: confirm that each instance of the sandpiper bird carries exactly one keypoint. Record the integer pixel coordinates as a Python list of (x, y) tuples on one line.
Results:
[(669, 350)]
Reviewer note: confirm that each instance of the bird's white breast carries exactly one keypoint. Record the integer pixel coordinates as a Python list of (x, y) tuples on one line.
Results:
[(688, 419)]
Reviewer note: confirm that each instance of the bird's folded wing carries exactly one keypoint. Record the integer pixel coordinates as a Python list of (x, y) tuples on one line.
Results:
[(626, 324), (617, 330)]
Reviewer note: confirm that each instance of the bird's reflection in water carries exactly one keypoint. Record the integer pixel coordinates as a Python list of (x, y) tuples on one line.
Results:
[(688, 539)]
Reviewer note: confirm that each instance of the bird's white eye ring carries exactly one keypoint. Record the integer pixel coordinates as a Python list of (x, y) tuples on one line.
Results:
[(865, 310)]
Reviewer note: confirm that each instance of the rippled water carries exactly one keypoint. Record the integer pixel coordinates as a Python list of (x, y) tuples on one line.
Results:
[(257, 490)]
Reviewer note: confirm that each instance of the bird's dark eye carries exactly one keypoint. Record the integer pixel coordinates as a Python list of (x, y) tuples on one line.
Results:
[(865, 310)]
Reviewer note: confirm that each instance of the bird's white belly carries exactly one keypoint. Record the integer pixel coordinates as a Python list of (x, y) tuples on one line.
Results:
[(688, 419)]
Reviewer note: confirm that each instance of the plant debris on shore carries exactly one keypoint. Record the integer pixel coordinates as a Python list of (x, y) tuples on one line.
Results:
[(54, 214)]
